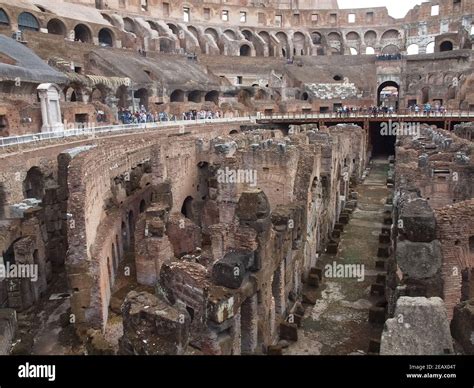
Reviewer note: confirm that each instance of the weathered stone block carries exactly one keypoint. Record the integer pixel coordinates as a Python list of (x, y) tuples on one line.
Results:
[(153, 327), (231, 270), (419, 223), (417, 259), (420, 327)]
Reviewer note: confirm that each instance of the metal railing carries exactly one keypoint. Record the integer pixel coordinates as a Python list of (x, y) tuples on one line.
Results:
[(96, 130), (367, 115)]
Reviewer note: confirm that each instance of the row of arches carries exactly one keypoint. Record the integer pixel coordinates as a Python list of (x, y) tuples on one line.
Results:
[(81, 32), (196, 96)]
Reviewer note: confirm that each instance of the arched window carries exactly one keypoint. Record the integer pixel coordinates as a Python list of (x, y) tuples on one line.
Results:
[(245, 50), (27, 21), (4, 20), (105, 37), (446, 46), (56, 27), (413, 49)]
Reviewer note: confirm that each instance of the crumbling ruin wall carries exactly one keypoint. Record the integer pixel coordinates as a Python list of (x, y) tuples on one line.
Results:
[(242, 281), (433, 215)]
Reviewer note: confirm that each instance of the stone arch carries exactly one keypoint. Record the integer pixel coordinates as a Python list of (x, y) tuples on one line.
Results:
[(177, 96), (129, 25), (316, 37), (230, 34), (370, 37), (34, 183), (142, 94), (212, 96), (245, 50), (299, 43), (283, 39), (56, 27), (213, 34), (82, 33), (28, 21), (430, 48), (123, 95), (97, 95), (187, 207), (391, 34), (4, 18), (174, 28), (391, 49), (73, 94), (265, 36), (248, 35), (446, 45), (193, 30), (106, 37), (369, 50), (353, 37), (413, 49), (384, 85), (195, 96)]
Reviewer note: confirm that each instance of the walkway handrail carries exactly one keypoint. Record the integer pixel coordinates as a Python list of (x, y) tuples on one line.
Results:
[(402, 114), (36, 137)]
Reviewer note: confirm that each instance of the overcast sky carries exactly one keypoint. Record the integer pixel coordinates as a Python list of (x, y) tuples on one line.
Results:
[(396, 8)]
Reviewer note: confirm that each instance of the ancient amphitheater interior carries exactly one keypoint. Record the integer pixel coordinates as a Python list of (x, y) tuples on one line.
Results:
[(240, 177)]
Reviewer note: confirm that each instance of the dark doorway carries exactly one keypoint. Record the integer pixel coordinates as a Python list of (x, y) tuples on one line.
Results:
[(388, 94), (382, 144)]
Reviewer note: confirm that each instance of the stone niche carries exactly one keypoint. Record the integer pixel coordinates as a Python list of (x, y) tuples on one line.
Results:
[(49, 95)]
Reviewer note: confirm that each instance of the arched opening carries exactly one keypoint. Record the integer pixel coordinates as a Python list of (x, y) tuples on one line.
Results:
[(446, 46), (353, 51), (27, 21), (129, 25), (56, 27), (230, 34), (370, 37), (283, 39), (142, 206), (72, 95), (451, 93), (413, 49), (369, 51), (245, 50), (390, 35), (82, 33), (248, 35), (316, 37), (33, 185), (4, 19), (174, 29), (195, 96), (142, 96), (391, 49), (430, 48), (177, 96), (212, 96), (213, 34), (305, 96), (388, 94), (187, 208), (105, 37), (97, 96), (123, 96)]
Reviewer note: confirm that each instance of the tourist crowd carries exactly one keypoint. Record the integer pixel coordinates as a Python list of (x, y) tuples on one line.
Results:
[(144, 116)]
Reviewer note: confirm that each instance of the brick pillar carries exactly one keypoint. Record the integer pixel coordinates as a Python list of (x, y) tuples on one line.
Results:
[(249, 325)]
